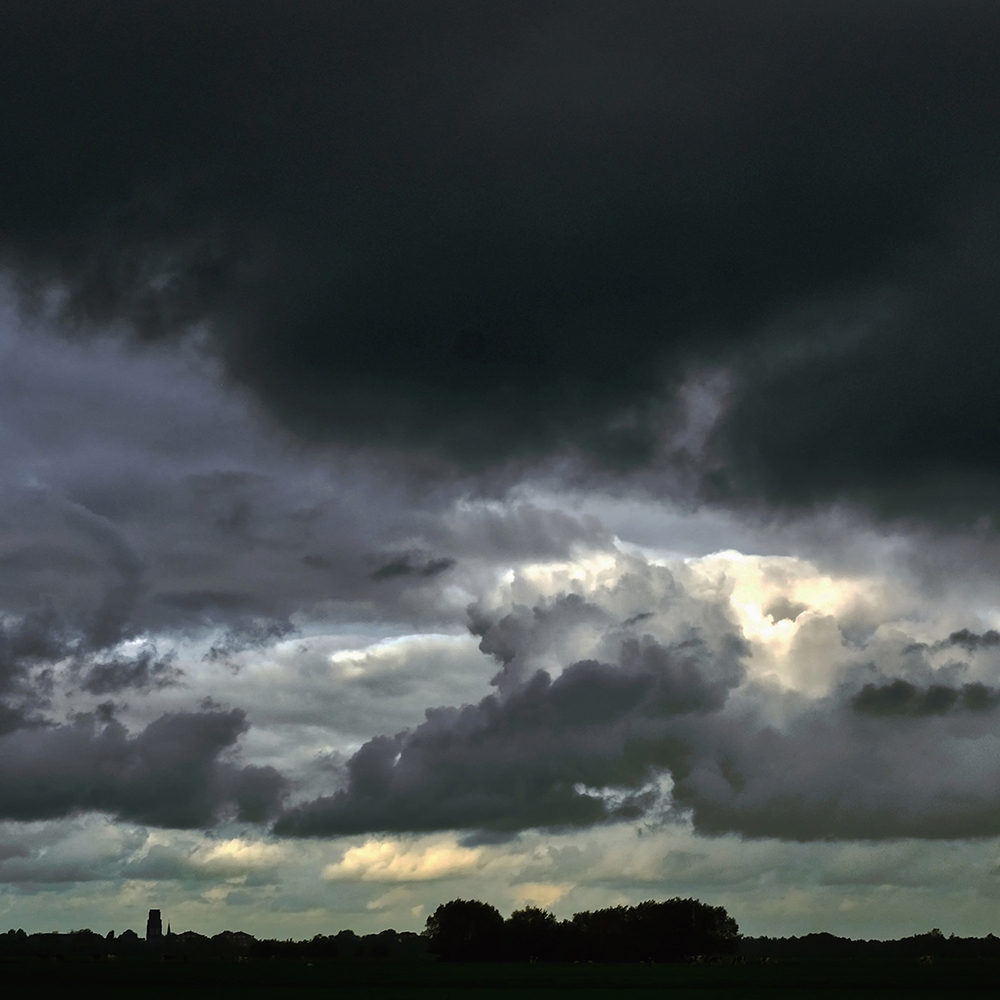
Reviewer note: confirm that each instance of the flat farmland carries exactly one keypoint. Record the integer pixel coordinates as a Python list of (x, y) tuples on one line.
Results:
[(276, 980)]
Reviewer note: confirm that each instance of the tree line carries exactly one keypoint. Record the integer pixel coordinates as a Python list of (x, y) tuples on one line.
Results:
[(387, 945), (931, 946), (462, 930), (466, 930)]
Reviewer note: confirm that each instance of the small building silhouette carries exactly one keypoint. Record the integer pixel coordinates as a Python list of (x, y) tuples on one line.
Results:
[(154, 926)]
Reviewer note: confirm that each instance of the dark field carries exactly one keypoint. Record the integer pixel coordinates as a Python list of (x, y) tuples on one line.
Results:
[(431, 981)]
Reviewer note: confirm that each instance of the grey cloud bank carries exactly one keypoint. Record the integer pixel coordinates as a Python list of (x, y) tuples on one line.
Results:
[(168, 775)]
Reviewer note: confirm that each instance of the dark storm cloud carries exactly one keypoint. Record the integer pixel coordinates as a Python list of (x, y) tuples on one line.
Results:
[(495, 230), (138, 496), (105, 579), (517, 531), (407, 565), (879, 767), (27, 648), (902, 419), (523, 633), (534, 755), (252, 635), (899, 697), (972, 641), (35, 638), (834, 775), (144, 672), (35, 641), (110, 622), (540, 750), (902, 698), (170, 774)]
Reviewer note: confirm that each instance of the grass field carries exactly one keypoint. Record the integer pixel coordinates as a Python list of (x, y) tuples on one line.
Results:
[(430, 981)]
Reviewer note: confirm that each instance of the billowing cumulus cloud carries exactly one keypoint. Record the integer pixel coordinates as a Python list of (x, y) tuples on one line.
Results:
[(672, 690)]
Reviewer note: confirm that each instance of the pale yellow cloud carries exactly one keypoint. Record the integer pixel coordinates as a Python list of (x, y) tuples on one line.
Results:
[(542, 894), (237, 854), (388, 900), (393, 861), (582, 575), (803, 650), (393, 655), (807, 653)]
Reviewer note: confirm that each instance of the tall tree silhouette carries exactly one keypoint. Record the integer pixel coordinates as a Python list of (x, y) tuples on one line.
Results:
[(531, 933), (466, 930)]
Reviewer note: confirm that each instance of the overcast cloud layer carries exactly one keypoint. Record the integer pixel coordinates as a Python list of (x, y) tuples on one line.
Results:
[(542, 452)]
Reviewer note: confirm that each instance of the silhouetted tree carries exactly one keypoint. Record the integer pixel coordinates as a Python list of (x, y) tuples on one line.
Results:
[(679, 928), (659, 932), (531, 934), (601, 935), (465, 930)]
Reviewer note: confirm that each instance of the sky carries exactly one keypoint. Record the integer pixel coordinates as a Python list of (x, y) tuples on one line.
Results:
[(545, 453)]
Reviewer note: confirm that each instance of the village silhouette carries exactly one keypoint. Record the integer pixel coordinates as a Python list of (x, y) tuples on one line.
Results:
[(469, 931)]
